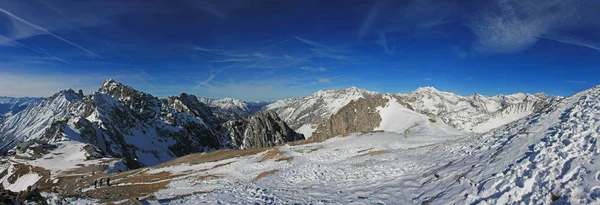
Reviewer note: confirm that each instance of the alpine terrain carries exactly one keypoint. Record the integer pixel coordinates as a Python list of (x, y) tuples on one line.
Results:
[(10, 106), (423, 147)]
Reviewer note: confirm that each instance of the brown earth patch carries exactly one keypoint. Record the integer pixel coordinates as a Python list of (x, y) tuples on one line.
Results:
[(271, 154), (264, 174), (316, 148), (214, 156), (376, 152), (224, 164), (122, 192), (287, 159)]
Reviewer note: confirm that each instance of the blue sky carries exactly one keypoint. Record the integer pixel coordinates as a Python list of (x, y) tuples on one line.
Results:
[(269, 50)]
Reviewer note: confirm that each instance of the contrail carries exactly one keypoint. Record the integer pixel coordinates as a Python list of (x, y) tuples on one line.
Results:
[(47, 32)]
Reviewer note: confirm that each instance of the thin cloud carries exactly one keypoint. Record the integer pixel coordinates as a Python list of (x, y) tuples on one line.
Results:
[(573, 40), (308, 68), (324, 80), (382, 41), (437, 23), (47, 32), (512, 26), (325, 54), (366, 25), (219, 52), (427, 79), (315, 44), (576, 81), (211, 9), (39, 51)]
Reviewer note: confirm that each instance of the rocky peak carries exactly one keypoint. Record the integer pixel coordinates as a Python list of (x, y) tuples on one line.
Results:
[(263, 129), (69, 95), (426, 89)]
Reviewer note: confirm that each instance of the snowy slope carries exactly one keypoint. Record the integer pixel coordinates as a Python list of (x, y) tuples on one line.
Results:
[(31, 122), (549, 156), (10, 106), (304, 114), (232, 109), (476, 113), (398, 118)]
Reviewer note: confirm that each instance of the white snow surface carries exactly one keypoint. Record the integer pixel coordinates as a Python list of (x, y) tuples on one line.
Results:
[(476, 113), (552, 152), (397, 118), (307, 130), (23, 182)]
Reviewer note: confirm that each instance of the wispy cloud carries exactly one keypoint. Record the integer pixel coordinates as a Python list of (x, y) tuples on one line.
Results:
[(323, 53), (383, 43), (427, 79), (576, 81), (308, 68), (573, 40), (46, 31), (39, 51), (368, 21), (219, 52), (511, 26), (437, 22), (323, 80), (315, 44)]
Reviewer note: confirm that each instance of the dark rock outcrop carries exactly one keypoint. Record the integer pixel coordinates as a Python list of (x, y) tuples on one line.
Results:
[(264, 129), (357, 116)]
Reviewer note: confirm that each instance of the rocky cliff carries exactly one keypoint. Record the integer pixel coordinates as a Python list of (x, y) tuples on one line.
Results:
[(264, 129)]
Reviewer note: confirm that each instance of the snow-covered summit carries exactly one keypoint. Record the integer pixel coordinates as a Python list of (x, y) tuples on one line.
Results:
[(232, 109), (475, 113), (305, 113)]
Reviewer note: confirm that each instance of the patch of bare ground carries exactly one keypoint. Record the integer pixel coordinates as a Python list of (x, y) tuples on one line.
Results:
[(376, 152), (264, 174), (145, 177), (316, 148), (214, 156), (305, 141), (287, 159), (122, 192), (276, 154), (271, 154), (220, 165)]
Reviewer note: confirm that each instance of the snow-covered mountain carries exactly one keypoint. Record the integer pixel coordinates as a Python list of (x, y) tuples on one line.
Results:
[(548, 157), (476, 113), (232, 109), (126, 123), (306, 113), (10, 105)]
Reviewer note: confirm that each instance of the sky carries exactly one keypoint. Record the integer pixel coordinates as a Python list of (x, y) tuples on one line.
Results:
[(272, 49)]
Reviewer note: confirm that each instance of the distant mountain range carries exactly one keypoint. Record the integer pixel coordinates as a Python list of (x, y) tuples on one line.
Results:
[(140, 128), (424, 139), (11, 105), (145, 130)]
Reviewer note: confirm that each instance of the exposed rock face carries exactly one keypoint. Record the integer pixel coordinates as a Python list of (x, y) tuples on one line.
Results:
[(143, 129), (306, 113), (359, 115), (264, 129)]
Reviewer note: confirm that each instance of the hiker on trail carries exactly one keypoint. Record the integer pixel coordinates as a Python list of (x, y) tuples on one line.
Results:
[(101, 179), (107, 181), (95, 183)]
